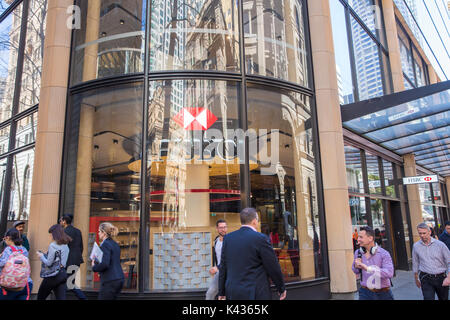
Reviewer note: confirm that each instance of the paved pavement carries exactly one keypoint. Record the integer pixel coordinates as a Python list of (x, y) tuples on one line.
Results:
[(404, 287)]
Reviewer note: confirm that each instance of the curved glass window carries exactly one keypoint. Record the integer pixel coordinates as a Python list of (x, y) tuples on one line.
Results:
[(194, 165), (194, 35), (110, 40), (100, 187), (283, 181), (275, 44)]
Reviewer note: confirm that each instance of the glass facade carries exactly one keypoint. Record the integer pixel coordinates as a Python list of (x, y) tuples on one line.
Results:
[(22, 32), (377, 199), (213, 134), (360, 50), (415, 71)]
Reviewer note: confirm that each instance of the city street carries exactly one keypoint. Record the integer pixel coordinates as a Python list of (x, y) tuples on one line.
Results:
[(404, 287)]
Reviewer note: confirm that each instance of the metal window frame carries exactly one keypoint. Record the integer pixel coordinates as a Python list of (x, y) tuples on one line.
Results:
[(15, 115), (241, 78)]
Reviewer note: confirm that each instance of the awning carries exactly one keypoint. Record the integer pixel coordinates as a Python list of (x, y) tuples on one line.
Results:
[(414, 121)]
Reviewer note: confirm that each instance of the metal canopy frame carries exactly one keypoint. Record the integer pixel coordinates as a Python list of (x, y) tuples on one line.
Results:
[(425, 151)]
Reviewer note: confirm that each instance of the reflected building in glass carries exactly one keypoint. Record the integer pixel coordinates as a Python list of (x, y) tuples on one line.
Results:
[(162, 117)]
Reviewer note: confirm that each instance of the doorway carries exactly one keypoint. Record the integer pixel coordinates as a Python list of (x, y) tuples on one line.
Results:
[(400, 257)]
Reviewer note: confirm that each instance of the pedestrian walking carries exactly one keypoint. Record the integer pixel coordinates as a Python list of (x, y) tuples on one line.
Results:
[(431, 265), (247, 262), (213, 290), (110, 269), (19, 226), (15, 269), (445, 235), (54, 262), (75, 258), (355, 240), (374, 266)]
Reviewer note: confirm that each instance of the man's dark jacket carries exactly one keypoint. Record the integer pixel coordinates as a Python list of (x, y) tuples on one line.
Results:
[(445, 238), (247, 263), (110, 268), (75, 246)]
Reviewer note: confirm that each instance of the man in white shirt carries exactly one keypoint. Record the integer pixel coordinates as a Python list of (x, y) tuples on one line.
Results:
[(431, 265), (221, 227)]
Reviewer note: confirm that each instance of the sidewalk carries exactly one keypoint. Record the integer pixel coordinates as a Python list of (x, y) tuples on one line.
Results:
[(404, 287)]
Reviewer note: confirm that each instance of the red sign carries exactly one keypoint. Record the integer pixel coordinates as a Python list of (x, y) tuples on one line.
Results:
[(427, 179), (195, 119)]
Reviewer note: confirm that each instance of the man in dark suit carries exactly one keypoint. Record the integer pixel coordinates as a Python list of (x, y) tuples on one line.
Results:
[(247, 262), (75, 258)]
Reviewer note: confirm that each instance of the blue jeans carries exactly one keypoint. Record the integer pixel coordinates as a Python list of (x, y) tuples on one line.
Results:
[(365, 294), (17, 295)]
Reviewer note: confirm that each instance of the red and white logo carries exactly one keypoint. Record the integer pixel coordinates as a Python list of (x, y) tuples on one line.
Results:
[(195, 119), (427, 179)]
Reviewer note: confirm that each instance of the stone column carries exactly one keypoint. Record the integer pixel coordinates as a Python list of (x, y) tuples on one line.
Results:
[(415, 207), (390, 26), (50, 132), (337, 209), (432, 74)]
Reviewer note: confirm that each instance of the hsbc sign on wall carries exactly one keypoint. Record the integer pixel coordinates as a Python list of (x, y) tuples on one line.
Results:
[(200, 139), (420, 179)]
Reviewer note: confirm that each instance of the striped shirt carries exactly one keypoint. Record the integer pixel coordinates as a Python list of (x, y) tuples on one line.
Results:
[(433, 258)]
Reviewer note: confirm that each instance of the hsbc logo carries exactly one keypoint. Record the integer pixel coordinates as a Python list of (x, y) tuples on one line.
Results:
[(195, 119), (427, 179)]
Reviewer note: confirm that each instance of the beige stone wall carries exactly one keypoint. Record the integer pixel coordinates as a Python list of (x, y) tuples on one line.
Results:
[(337, 210), (50, 133)]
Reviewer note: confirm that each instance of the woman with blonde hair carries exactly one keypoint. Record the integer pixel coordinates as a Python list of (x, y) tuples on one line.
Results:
[(111, 274)]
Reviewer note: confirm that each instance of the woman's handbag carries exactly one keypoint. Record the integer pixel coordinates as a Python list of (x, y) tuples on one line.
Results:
[(54, 269)]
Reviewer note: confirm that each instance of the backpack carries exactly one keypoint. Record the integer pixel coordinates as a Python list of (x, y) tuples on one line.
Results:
[(16, 271)]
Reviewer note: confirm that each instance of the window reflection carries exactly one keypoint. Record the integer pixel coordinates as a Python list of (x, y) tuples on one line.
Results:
[(26, 130), (354, 169), (21, 186), (194, 165), (194, 35), (4, 140), (33, 55), (369, 69), (275, 44), (283, 187), (358, 212), (9, 51), (389, 181), (111, 39), (3, 163), (373, 173), (100, 186), (379, 226), (342, 54)]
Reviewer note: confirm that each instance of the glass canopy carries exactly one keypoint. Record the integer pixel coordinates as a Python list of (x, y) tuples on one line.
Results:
[(414, 121)]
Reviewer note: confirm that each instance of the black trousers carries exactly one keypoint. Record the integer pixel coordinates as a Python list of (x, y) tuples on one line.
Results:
[(432, 285), (110, 290), (57, 284)]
